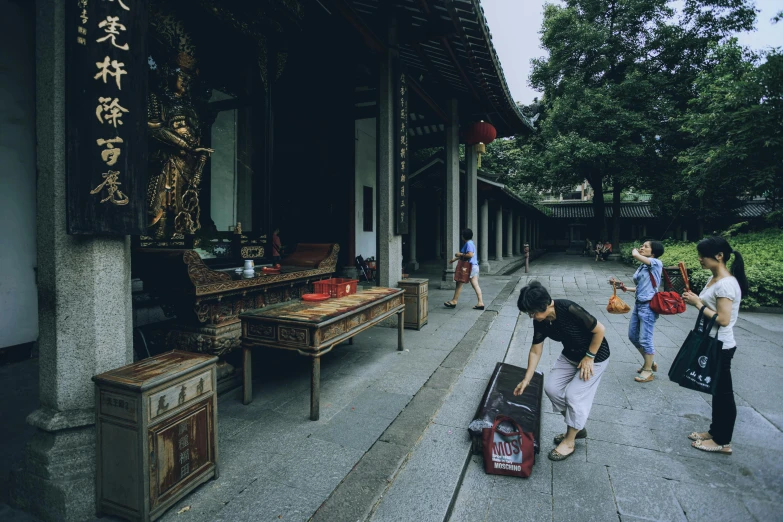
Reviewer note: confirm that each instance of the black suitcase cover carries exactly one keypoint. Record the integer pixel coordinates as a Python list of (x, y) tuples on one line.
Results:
[(499, 399)]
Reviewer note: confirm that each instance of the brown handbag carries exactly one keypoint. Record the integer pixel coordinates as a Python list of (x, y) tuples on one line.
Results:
[(617, 305), (462, 272)]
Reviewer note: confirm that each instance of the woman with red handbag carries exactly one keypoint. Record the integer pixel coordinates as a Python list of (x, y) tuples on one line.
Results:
[(721, 296), (642, 325), (467, 256)]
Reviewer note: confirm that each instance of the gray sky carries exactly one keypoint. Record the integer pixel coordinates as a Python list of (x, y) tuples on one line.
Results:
[(515, 25)]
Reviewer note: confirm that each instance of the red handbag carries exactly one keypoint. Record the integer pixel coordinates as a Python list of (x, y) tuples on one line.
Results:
[(508, 453), (666, 303)]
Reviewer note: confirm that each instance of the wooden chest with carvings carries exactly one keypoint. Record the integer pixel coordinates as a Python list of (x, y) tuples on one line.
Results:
[(416, 301), (156, 429)]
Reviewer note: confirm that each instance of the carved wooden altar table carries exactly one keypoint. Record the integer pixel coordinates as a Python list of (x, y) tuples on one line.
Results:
[(313, 329)]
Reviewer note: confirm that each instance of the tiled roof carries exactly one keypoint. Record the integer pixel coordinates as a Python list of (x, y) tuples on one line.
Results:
[(585, 210), (639, 210), (753, 209)]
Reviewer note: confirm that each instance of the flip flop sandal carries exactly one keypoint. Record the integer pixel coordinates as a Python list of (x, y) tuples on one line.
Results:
[(654, 368), (477, 307), (723, 450), (648, 379), (697, 436), (557, 457), (581, 434), (449, 305)]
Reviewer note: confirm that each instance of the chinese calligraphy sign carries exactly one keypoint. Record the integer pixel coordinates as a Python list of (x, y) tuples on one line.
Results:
[(106, 96), (401, 152)]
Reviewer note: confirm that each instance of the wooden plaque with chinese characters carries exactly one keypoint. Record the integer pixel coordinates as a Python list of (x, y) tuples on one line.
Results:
[(106, 116), (156, 433), (401, 145)]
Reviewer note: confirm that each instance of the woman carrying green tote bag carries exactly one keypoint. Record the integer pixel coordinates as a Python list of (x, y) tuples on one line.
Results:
[(698, 363)]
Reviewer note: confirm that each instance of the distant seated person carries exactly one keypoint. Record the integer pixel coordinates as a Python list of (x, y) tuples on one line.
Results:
[(599, 247), (588, 247), (277, 248), (606, 251)]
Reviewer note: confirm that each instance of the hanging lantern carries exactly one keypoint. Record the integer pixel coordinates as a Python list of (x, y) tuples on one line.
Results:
[(478, 135)]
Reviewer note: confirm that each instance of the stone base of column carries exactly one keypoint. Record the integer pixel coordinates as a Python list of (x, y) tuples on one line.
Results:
[(484, 268), (448, 283), (413, 265), (56, 480)]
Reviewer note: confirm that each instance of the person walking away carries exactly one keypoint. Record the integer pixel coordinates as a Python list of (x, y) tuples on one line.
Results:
[(722, 296), (642, 326), (468, 251), (573, 381)]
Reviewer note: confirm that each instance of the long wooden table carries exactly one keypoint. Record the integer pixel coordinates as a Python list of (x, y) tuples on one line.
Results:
[(313, 329)]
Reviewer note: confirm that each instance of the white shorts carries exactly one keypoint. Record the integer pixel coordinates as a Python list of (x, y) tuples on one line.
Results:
[(474, 270)]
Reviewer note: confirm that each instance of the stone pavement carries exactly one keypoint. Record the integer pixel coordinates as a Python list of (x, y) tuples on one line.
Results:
[(392, 440), (636, 463)]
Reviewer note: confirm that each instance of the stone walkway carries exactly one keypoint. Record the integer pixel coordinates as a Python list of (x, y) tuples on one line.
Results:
[(392, 440), (636, 463)]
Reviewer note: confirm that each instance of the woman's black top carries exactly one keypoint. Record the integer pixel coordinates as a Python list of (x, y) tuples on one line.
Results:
[(573, 327)]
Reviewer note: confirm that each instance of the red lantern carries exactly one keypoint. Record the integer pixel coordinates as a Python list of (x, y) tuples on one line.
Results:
[(479, 134)]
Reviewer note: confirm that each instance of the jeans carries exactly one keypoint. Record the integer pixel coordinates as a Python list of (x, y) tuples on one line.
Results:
[(724, 409), (642, 327)]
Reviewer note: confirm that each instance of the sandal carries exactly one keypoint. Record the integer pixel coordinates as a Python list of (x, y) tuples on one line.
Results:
[(557, 457), (650, 378), (449, 305), (477, 307), (697, 436), (581, 434), (724, 449), (654, 368)]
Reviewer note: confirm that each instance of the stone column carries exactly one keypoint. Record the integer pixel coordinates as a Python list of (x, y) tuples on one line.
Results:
[(414, 264), (85, 319), (452, 194), (517, 231), (389, 243), (484, 238), (499, 233), (525, 235), (471, 194), (509, 233), (538, 234), (438, 231)]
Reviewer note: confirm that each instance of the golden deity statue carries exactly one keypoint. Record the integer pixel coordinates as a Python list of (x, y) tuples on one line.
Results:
[(176, 157)]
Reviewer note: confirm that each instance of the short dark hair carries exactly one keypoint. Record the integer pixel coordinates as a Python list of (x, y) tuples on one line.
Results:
[(467, 234), (533, 298), (656, 247)]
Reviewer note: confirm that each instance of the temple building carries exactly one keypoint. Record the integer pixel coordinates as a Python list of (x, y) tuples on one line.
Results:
[(151, 147)]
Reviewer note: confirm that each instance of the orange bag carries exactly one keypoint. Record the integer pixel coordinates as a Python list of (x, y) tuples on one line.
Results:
[(617, 305)]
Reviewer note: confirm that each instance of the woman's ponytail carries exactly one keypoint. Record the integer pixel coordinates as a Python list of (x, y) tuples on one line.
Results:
[(738, 271)]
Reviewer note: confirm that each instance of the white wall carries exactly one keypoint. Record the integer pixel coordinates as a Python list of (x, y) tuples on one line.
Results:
[(365, 177), (18, 292)]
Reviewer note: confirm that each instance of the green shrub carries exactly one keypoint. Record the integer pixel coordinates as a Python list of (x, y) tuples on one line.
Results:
[(763, 255)]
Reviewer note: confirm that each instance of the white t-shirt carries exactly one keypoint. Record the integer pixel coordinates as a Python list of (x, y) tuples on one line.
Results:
[(729, 288)]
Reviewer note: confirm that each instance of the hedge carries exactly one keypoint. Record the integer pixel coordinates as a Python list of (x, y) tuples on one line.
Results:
[(763, 255)]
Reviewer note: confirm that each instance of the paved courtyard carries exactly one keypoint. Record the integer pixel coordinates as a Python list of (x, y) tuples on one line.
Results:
[(392, 443)]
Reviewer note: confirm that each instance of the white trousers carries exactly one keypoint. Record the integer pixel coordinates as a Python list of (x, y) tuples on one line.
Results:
[(569, 393)]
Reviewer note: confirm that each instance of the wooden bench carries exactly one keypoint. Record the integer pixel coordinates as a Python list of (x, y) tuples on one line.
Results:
[(313, 329)]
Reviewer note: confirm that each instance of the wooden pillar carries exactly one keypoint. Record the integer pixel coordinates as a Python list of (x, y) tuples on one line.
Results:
[(517, 233), (471, 192), (507, 251)]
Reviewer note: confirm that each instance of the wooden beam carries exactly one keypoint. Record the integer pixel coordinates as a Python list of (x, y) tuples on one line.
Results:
[(426, 98), (373, 41), (452, 56)]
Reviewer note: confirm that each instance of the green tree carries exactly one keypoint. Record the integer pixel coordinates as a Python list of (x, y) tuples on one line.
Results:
[(618, 74), (736, 121)]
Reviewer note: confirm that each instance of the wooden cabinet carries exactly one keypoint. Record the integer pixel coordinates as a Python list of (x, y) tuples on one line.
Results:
[(416, 291), (156, 433)]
